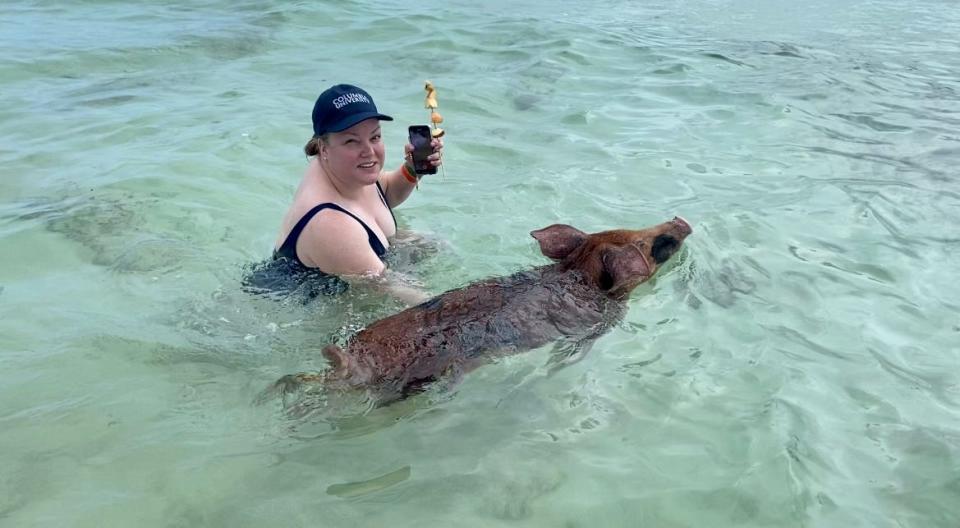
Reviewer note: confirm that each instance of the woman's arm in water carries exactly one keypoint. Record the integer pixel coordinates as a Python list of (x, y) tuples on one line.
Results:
[(394, 284)]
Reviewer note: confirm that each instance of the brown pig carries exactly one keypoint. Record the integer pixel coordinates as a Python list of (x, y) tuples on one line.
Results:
[(577, 298)]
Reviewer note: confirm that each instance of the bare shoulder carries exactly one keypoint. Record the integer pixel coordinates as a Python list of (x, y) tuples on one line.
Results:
[(336, 243)]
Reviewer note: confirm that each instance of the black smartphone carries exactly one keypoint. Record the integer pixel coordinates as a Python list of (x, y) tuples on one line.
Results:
[(420, 139)]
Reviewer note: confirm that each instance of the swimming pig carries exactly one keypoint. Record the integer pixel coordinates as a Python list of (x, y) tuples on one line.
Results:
[(576, 298)]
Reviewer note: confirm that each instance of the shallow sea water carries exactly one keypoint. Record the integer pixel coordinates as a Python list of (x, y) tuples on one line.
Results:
[(797, 365)]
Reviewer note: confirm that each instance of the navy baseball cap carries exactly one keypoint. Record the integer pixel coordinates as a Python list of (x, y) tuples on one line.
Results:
[(342, 106)]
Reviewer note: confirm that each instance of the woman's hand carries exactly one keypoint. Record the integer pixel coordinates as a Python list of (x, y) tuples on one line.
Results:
[(436, 159), (400, 183)]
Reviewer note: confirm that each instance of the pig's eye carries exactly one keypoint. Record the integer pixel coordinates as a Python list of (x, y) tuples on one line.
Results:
[(663, 248)]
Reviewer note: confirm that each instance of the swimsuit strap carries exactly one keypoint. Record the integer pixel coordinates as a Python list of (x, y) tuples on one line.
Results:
[(289, 247)]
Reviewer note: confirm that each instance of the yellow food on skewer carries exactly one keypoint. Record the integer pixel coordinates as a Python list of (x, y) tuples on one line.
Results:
[(435, 118), (431, 103)]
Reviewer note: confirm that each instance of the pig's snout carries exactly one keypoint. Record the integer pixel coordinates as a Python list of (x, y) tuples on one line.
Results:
[(683, 225)]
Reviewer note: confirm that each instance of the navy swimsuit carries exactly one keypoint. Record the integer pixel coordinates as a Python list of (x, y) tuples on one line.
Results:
[(286, 272), (289, 247)]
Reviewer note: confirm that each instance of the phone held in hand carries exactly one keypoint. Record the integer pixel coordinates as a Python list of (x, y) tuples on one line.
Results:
[(420, 139)]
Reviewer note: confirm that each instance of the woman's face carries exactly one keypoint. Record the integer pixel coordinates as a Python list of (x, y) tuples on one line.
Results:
[(356, 153)]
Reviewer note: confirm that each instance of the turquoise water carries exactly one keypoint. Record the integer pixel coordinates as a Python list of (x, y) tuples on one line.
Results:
[(796, 366)]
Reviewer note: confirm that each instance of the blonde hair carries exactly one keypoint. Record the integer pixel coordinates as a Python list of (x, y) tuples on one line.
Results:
[(312, 148)]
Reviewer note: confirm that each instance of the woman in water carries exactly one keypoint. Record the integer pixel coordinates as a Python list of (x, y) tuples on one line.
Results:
[(341, 221)]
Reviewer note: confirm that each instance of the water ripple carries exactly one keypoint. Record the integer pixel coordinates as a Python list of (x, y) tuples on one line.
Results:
[(795, 364)]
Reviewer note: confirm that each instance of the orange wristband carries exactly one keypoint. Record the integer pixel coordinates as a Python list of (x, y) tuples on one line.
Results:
[(406, 174)]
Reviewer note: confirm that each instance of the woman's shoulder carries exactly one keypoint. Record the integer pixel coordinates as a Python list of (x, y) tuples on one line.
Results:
[(332, 222), (337, 242), (311, 196)]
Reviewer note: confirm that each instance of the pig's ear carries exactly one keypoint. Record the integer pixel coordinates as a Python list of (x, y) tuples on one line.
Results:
[(559, 240), (344, 365), (624, 267)]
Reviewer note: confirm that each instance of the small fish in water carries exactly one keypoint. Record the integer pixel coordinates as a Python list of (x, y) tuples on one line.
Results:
[(350, 490)]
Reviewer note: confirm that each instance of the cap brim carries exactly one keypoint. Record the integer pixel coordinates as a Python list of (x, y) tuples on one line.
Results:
[(351, 120)]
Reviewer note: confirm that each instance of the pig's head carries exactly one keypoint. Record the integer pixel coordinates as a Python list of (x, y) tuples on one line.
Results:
[(614, 261)]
